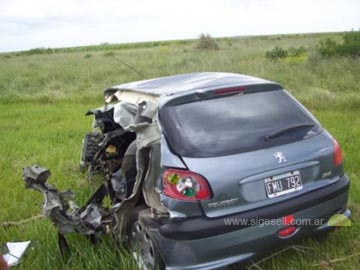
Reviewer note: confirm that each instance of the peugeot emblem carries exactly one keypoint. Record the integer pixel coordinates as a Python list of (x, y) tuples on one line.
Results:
[(280, 157)]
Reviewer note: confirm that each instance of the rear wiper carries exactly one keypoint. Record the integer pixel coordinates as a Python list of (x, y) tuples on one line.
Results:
[(287, 129)]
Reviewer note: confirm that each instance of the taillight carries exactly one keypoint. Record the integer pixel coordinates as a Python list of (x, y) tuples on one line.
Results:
[(288, 231), (290, 228), (337, 154), (229, 90), (185, 185), (288, 220)]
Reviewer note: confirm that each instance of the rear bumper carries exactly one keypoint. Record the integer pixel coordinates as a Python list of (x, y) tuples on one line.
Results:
[(204, 243), (203, 227)]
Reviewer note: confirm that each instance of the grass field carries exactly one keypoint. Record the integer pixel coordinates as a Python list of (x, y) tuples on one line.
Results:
[(43, 98)]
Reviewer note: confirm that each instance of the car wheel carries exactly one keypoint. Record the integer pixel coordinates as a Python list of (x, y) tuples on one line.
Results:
[(142, 248), (90, 146)]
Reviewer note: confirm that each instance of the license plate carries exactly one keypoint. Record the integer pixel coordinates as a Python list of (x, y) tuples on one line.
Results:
[(283, 184)]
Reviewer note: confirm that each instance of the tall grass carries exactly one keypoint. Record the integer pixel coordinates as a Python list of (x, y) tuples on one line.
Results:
[(43, 98)]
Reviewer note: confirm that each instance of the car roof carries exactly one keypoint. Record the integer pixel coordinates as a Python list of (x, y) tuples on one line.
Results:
[(170, 85)]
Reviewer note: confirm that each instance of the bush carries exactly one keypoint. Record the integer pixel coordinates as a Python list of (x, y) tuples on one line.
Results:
[(349, 47), (280, 53), (328, 47), (206, 42), (276, 53), (37, 51), (296, 52)]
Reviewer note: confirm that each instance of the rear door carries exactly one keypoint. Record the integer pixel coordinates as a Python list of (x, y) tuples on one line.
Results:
[(254, 149), (250, 180)]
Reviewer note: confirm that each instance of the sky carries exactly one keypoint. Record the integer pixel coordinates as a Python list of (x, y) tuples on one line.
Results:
[(28, 24)]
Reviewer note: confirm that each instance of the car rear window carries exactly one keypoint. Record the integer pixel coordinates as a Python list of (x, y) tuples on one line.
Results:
[(234, 124)]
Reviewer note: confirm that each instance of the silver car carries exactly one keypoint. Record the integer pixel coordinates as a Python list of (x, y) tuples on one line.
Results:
[(214, 169)]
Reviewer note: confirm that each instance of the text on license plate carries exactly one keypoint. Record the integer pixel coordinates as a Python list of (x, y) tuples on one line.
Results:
[(283, 184)]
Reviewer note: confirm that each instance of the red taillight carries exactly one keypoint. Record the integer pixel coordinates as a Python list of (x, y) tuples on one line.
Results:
[(288, 220), (185, 185), (290, 228), (229, 90), (287, 231), (337, 154)]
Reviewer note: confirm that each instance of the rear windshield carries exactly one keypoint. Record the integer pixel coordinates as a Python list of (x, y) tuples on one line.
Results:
[(235, 124)]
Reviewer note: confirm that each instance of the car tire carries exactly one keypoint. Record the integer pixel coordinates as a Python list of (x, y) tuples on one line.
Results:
[(141, 245), (90, 146)]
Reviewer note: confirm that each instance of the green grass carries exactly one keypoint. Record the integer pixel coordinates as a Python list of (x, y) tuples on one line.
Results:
[(43, 98)]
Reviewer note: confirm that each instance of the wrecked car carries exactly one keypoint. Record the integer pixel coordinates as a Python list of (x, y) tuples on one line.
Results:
[(195, 164)]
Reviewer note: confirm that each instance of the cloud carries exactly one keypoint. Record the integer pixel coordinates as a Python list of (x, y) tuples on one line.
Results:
[(39, 23)]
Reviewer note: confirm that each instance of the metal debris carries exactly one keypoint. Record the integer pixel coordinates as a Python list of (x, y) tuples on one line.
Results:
[(15, 251)]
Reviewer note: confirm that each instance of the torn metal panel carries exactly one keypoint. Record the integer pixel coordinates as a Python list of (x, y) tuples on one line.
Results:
[(122, 181), (150, 191), (135, 97), (146, 134), (86, 220), (148, 137), (123, 210), (119, 185), (143, 157), (148, 109), (129, 115), (124, 113), (116, 94)]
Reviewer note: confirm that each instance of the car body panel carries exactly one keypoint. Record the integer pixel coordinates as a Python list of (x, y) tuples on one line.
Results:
[(244, 244), (168, 158), (240, 177), (187, 229)]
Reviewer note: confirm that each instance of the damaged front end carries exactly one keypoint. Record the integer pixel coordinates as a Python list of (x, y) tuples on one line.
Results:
[(127, 157)]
